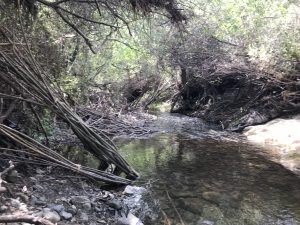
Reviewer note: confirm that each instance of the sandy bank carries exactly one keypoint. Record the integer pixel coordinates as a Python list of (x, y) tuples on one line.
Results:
[(280, 137)]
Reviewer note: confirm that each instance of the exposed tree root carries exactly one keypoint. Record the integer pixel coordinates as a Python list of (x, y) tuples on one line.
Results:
[(238, 98)]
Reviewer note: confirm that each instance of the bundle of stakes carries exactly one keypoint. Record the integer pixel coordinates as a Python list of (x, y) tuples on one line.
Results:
[(43, 154), (20, 70)]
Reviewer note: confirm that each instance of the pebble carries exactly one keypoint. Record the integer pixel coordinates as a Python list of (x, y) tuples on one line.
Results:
[(61, 181), (2, 189), (39, 171), (192, 205), (183, 194), (212, 213), (212, 196), (39, 202), (3, 208), (87, 206), (57, 208), (23, 207), (83, 217), (37, 187), (38, 214), (102, 222), (79, 199), (45, 210), (98, 209), (82, 202), (13, 176), (33, 200), (65, 215), (72, 209), (115, 204), (52, 216), (63, 199), (39, 176), (23, 197), (33, 179), (205, 222), (15, 203)]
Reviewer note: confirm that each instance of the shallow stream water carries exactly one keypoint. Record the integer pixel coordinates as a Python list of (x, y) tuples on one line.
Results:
[(201, 176), (197, 175)]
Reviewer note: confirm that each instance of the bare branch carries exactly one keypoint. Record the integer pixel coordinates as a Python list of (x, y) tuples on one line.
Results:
[(87, 41), (86, 19), (19, 98)]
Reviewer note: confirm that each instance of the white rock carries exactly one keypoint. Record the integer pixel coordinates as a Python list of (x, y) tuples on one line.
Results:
[(129, 220), (131, 190)]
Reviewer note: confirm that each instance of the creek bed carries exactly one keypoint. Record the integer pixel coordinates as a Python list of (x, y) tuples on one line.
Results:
[(197, 175), (201, 176)]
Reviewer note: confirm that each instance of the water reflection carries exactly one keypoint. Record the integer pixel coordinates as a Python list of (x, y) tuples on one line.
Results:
[(214, 182), (79, 155)]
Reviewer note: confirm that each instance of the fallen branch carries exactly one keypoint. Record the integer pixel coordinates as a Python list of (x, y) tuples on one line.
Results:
[(24, 219), (175, 209)]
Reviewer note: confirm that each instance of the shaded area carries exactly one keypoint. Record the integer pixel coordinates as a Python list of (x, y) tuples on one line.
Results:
[(219, 84)]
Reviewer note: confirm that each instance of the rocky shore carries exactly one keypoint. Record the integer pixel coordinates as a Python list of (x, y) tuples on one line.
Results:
[(59, 197)]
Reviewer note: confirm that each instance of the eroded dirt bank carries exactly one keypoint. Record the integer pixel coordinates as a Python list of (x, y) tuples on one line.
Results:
[(237, 97)]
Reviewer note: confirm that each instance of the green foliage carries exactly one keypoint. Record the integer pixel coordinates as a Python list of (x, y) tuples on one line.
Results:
[(269, 31)]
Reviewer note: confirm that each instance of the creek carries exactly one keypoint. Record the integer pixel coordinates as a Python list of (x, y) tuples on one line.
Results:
[(197, 175), (202, 176)]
